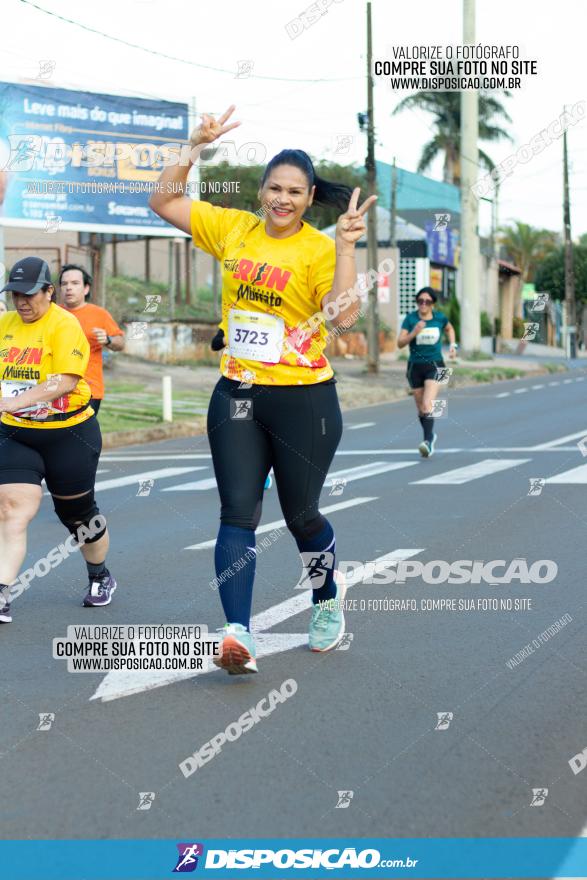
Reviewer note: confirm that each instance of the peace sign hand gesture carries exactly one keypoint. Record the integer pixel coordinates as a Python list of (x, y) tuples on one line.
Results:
[(210, 129), (351, 225)]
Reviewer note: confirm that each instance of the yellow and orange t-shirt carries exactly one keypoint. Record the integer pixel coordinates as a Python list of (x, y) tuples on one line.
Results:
[(31, 353), (270, 288), (91, 316)]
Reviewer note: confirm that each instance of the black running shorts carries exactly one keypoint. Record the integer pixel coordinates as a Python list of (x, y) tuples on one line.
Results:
[(293, 429), (419, 371), (66, 458)]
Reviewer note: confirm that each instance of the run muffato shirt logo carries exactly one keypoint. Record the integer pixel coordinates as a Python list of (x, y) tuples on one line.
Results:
[(30, 353), (285, 277)]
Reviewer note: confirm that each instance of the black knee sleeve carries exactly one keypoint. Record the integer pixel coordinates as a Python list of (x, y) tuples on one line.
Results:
[(247, 521), (304, 531), (81, 514)]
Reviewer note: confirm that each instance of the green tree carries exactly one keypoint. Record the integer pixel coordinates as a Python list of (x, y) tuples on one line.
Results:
[(527, 246), (550, 274), (445, 108)]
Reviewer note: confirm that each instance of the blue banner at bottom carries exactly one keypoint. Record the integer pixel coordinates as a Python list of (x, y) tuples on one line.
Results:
[(269, 858)]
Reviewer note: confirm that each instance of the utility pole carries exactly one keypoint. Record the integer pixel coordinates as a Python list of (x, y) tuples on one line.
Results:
[(470, 314), (373, 309), (569, 268), (393, 207)]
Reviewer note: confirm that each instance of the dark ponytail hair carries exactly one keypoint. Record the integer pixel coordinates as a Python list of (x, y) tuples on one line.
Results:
[(327, 192)]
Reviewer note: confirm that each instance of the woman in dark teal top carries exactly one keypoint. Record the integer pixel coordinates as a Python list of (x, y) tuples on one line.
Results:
[(422, 330)]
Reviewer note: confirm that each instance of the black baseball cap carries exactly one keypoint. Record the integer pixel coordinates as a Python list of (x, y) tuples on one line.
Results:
[(28, 276)]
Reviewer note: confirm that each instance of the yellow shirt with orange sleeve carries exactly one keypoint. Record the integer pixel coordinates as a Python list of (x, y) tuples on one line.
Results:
[(32, 353), (90, 316)]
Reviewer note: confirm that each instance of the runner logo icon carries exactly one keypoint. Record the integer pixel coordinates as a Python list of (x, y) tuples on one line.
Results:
[(444, 719), (344, 800), (46, 719), (316, 567), (539, 795), (187, 860)]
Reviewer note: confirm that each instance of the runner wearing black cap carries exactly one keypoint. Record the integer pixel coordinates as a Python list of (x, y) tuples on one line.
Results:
[(422, 330), (48, 430)]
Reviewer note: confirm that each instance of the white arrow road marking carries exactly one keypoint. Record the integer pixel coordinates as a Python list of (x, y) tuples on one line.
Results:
[(349, 474), (458, 476), (101, 485), (168, 456), (278, 613), (197, 485), (575, 475), (279, 523), (551, 443), (366, 470), (120, 683)]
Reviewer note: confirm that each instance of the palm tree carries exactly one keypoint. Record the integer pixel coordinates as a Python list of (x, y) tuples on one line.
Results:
[(527, 246), (445, 107)]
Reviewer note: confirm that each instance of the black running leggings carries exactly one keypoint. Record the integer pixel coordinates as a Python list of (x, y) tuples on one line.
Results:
[(293, 428)]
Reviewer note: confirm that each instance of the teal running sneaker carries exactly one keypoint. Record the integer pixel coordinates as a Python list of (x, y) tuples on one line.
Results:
[(268, 482), (426, 448), (237, 650), (327, 623)]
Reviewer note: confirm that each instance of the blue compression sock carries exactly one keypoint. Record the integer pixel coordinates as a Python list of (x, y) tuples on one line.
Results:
[(323, 542), (234, 559)]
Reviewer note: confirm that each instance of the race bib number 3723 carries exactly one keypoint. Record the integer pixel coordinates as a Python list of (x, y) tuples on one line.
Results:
[(255, 336)]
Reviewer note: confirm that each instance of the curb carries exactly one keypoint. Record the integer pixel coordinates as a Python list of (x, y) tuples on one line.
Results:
[(152, 435)]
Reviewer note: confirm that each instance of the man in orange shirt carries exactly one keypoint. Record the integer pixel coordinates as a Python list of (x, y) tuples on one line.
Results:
[(100, 328)]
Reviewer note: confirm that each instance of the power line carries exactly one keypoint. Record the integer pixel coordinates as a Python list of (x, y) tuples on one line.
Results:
[(92, 30)]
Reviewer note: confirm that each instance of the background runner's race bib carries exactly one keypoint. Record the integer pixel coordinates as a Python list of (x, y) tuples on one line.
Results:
[(254, 336), (428, 336), (12, 388)]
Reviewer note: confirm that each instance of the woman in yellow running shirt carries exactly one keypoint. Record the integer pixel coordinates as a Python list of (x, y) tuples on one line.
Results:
[(275, 405)]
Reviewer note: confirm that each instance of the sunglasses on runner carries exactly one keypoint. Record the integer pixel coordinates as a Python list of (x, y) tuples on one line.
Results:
[(424, 302)]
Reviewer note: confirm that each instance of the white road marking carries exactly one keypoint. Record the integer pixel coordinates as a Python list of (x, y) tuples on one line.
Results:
[(444, 451), (171, 456), (160, 474), (120, 683), (551, 443), (521, 390), (567, 381), (536, 387), (461, 475), (504, 394), (349, 474), (359, 426), (278, 613), (577, 475), (279, 523), (366, 470), (197, 486), (550, 384)]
